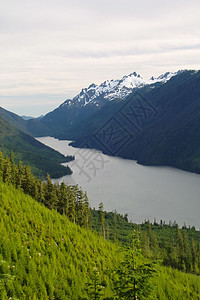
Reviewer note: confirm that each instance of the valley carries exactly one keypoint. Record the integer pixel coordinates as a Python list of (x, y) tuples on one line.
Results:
[(127, 187), (99, 150), (130, 179)]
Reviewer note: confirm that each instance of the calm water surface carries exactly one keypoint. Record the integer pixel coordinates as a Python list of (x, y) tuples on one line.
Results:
[(123, 185)]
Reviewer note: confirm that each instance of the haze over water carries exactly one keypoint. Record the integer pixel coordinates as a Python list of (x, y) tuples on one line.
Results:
[(127, 187)]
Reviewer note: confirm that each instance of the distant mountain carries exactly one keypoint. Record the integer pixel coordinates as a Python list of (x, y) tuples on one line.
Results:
[(27, 118), (155, 126), (155, 122), (113, 89), (91, 99), (30, 126), (41, 158)]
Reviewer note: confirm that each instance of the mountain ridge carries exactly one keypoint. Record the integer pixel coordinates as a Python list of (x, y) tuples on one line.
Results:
[(41, 158), (168, 135), (169, 139), (116, 88), (91, 99)]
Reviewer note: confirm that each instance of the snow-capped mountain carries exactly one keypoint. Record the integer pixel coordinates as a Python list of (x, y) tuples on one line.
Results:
[(164, 130), (112, 89), (91, 99)]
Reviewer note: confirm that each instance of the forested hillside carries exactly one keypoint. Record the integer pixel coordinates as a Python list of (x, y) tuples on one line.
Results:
[(48, 256), (31, 127), (175, 247), (39, 157), (155, 125), (158, 126), (44, 255)]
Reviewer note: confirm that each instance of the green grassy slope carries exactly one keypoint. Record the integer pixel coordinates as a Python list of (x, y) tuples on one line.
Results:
[(176, 285), (47, 254), (41, 158), (48, 257)]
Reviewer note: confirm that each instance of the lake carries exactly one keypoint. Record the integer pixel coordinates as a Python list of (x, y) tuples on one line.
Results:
[(143, 192)]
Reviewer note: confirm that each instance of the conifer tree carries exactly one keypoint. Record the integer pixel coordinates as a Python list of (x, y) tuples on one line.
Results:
[(50, 194), (155, 246), (87, 210), (107, 231), (1, 166), (19, 175), (148, 237), (102, 219), (13, 167), (7, 172), (41, 193), (115, 227), (181, 264), (63, 199), (134, 277), (187, 252), (4, 273), (28, 182), (95, 288), (194, 258), (71, 204), (80, 207)]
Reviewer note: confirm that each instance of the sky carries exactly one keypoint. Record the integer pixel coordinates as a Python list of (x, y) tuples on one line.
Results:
[(51, 49)]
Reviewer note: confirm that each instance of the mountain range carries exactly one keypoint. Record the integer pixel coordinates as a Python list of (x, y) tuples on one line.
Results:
[(155, 126), (91, 99), (155, 121)]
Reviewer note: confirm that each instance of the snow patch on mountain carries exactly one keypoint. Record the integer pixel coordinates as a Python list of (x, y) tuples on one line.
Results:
[(112, 89)]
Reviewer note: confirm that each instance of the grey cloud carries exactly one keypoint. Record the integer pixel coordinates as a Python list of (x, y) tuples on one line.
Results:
[(50, 46)]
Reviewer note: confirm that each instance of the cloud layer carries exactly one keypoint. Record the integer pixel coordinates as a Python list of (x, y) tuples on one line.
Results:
[(57, 47)]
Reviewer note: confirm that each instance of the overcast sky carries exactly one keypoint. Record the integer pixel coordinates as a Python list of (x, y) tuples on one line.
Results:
[(51, 49)]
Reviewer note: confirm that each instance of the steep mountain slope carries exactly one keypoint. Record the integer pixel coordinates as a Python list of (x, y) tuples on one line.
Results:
[(51, 257), (112, 89), (31, 126), (91, 99), (45, 256), (41, 158), (158, 126), (156, 121)]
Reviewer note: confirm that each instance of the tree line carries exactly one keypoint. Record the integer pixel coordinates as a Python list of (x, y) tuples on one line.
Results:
[(177, 248), (66, 199)]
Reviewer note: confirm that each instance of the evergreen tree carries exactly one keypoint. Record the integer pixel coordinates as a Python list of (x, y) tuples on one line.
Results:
[(155, 246), (7, 172), (51, 199), (187, 253), (63, 199), (80, 207), (87, 210), (115, 227), (1, 166), (5, 277), (19, 175), (13, 168), (181, 263), (102, 219), (95, 288), (71, 204), (41, 193), (134, 277), (148, 237), (194, 258), (28, 182)]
